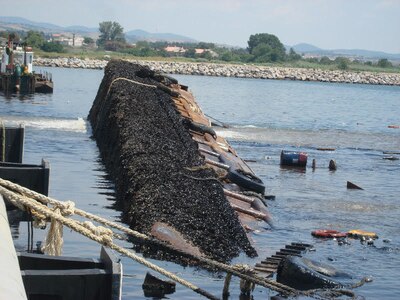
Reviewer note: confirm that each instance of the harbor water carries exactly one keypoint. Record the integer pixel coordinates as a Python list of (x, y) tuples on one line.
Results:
[(263, 118)]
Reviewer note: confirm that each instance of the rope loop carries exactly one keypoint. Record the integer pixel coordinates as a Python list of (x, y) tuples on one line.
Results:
[(105, 234), (67, 208), (246, 286)]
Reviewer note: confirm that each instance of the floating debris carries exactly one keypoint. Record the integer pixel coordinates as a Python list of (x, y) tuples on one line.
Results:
[(390, 158), (351, 185), (357, 233), (328, 233), (391, 152), (293, 158), (155, 287), (332, 165)]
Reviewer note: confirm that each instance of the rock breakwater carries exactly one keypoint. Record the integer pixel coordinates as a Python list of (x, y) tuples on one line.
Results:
[(239, 71), (156, 166)]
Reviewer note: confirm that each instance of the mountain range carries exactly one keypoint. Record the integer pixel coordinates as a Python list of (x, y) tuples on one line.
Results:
[(22, 24), (311, 49)]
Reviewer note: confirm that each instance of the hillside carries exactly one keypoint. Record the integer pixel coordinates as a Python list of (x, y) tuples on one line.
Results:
[(22, 24), (309, 49), (141, 35)]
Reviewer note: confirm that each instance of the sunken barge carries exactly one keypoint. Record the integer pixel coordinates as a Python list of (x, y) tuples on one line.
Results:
[(175, 178)]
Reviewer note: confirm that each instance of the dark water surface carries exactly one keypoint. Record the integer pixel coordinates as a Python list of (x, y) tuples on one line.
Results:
[(264, 117)]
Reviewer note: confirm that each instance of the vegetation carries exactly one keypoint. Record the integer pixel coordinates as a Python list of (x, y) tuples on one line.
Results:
[(52, 47), (384, 63), (35, 39), (263, 48), (88, 40), (266, 47), (342, 63), (111, 36)]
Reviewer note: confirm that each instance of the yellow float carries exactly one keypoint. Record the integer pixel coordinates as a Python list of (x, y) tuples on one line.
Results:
[(357, 233)]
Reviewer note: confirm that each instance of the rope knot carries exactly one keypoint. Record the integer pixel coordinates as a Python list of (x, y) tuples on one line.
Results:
[(66, 208), (105, 234), (246, 287)]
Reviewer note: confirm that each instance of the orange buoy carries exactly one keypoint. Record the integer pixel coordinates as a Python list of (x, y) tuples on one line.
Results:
[(327, 233)]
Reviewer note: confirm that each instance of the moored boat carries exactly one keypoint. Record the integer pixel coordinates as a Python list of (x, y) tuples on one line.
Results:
[(16, 71)]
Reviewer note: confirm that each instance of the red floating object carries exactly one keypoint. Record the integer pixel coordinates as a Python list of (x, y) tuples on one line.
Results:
[(326, 233)]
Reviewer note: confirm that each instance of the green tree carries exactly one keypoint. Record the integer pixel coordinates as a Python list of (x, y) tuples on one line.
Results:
[(142, 44), (110, 32), (88, 40), (203, 45), (52, 47), (227, 56), (325, 60), (14, 36), (206, 55), (191, 53), (266, 47), (265, 53), (34, 39), (114, 45), (342, 63), (293, 56), (384, 63)]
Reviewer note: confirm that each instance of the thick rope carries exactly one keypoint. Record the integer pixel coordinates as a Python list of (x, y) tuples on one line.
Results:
[(103, 236), (105, 240), (131, 81), (54, 240), (69, 206), (267, 283)]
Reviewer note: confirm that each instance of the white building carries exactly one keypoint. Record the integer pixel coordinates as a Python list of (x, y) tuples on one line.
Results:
[(71, 40)]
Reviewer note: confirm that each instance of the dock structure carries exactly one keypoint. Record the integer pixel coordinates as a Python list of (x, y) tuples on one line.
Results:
[(11, 285), (11, 83), (164, 182)]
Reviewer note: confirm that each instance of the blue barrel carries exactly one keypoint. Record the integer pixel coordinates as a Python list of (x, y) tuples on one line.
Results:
[(293, 158)]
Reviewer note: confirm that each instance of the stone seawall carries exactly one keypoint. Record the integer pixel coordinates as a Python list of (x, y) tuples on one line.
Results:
[(239, 71)]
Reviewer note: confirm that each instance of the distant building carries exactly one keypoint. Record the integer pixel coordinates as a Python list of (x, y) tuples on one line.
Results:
[(175, 49), (202, 51), (67, 39)]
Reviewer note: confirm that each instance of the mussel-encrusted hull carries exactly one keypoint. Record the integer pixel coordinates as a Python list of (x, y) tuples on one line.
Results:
[(156, 165)]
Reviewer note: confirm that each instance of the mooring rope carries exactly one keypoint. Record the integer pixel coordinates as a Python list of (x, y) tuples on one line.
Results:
[(273, 285), (104, 239), (21, 196)]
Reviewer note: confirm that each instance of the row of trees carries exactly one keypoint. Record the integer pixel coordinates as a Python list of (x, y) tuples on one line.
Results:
[(34, 39), (262, 48)]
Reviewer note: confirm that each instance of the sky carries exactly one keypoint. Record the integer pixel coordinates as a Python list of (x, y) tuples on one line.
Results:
[(328, 24)]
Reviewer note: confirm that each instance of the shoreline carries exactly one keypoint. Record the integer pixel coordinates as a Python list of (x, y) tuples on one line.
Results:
[(236, 71)]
